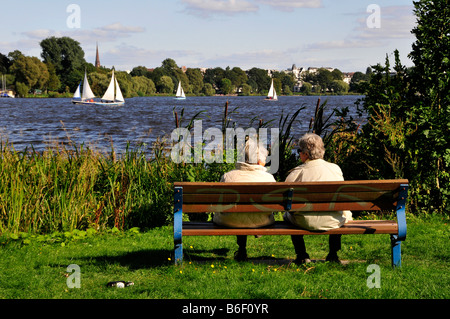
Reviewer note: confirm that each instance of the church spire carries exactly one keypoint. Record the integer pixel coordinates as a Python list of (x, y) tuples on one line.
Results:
[(97, 59)]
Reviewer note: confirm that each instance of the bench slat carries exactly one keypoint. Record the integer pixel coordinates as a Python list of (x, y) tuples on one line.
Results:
[(283, 228), (303, 187), (296, 207), (280, 198)]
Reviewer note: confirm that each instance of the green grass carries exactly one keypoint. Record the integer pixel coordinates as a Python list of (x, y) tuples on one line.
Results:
[(34, 267)]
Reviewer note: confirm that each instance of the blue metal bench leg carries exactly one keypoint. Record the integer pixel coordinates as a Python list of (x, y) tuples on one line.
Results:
[(178, 225), (396, 246)]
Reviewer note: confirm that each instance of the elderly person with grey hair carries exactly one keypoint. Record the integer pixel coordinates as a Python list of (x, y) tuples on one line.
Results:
[(315, 169), (252, 170)]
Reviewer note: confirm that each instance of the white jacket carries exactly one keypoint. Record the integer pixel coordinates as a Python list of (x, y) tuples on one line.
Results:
[(245, 173), (315, 171)]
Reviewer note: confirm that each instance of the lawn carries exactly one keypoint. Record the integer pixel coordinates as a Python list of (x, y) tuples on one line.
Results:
[(35, 267)]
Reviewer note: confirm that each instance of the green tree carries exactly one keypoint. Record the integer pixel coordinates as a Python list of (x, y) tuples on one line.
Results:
[(214, 77), (246, 89), (306, 88), (226, 86), (358, 81), (339, 86), (5, 63), (323, 77), (99, 83), (195, 79), (406, 134), (336, 74), (259, 80), (65, 54), (30, 71), (21, 89), (431, 79), (237, 77), (208, 89), (53, 83), (165, 84), (140, 71), (143, 86)]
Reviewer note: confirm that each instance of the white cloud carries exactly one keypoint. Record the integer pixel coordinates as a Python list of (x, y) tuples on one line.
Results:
[(106, 33), (126, 57), (396, 24), (211, 7), (290, 5)]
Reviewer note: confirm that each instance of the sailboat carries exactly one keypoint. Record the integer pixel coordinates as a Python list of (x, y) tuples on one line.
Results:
[(180, 92), (4, 92), (272, 95), (86, 96), (112, 97)]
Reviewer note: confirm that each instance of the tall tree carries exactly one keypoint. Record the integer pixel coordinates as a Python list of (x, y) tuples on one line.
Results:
[(195, 80), (65, 54), (431, 78), (259, 78), (31, 72)]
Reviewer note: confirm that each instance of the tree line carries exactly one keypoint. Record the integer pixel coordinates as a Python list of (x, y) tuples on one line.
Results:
[(63, 65)]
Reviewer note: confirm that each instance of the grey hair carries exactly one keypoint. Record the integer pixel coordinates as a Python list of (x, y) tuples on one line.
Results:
[(312, 145), (255, 152)]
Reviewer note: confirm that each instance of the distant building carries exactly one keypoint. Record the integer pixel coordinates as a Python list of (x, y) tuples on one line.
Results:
[(348, 77), (97, 58)]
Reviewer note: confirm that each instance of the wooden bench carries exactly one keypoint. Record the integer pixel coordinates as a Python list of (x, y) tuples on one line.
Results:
[(366, 195)]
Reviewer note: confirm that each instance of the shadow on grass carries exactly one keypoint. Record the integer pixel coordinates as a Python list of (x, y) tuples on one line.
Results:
[(145, 258), (152, 258)]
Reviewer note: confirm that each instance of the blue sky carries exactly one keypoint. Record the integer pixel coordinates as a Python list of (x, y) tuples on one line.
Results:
[(267, 34)]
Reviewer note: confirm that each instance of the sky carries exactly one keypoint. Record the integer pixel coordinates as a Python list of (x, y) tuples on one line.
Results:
[(350, 35)]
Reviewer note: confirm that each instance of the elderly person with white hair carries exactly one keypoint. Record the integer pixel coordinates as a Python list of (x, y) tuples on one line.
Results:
[(315, 169), (252, 170)]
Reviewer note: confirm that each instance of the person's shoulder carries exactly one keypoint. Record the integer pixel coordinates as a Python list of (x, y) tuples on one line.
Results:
[(294, 173)]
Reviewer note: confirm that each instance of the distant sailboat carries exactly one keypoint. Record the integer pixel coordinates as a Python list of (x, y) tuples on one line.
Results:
[(86, 96), (272, 95), (112, 97), (4, 92), (180, 92)]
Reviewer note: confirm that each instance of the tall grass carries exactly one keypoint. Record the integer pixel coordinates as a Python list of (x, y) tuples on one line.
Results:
[(65, 188)]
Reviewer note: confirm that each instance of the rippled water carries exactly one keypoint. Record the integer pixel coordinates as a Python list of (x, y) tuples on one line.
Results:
[(42, 122)]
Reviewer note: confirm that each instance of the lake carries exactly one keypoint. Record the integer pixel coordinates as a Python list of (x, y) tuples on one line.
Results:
[(40, 122)]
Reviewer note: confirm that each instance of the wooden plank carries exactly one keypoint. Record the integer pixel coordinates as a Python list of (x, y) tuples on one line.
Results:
[(296, 207), (281, 198), (280, 187), (282, 228)]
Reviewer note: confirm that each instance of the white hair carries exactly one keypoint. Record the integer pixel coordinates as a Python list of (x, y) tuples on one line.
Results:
[(312, 145), (255, 152)]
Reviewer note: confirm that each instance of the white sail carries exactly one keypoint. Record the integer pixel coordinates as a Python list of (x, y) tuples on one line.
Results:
[(87, 92), (77, 94), (180, 91), (119, 96), (272, 95), (109, 94)]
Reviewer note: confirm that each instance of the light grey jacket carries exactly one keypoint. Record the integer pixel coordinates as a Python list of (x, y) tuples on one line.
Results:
[(315, 171), (245, 173)]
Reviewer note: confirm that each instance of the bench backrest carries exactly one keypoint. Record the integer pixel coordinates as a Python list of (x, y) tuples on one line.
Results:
[(203, 197)]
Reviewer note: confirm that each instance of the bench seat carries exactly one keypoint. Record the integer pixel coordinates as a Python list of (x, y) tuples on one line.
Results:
[(362, 195), (353, 227)]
